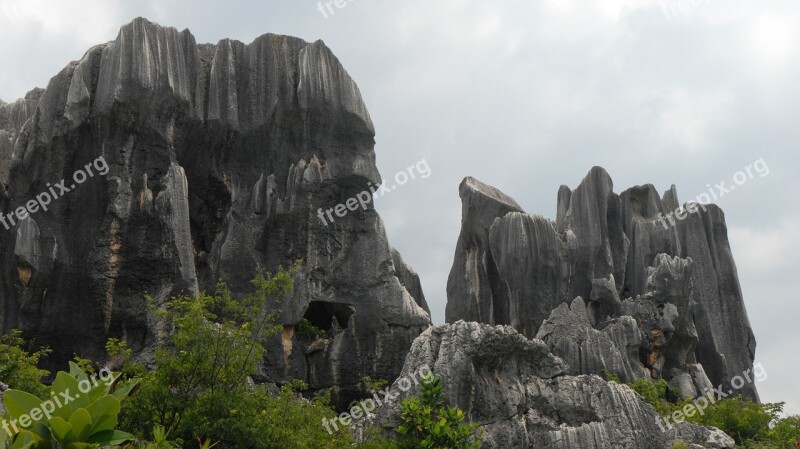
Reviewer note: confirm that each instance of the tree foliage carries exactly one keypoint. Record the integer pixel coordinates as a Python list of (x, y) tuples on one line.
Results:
[(428, 423)]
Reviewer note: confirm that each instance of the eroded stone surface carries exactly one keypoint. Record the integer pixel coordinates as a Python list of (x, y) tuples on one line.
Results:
[(220, 158), (624, 257)]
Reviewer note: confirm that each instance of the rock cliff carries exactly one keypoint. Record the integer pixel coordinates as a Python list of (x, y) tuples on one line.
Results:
[(612, 284), (218, 158)]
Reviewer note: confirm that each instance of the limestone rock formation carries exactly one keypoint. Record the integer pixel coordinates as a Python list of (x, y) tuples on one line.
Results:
[(521, 395), (658, 299), (218, 159)]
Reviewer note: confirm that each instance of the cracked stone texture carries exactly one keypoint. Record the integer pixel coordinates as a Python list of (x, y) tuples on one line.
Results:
[(621, 256), (220, 156), (521, 395)]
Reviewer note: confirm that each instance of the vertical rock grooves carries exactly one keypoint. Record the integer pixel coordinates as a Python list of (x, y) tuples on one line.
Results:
[(671, 290), (219, 157)]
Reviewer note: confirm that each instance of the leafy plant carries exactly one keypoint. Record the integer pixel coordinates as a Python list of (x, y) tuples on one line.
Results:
[(307, 332), (751, 425), (429, 423), (785, 434), (85, 364), (611, 377), (18, 368), (119, 357), (200, 387), (80, 414)]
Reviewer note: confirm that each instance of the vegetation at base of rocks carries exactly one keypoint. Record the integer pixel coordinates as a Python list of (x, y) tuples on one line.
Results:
[(429, 423), (200, 394), (751, 425), (18, 367)]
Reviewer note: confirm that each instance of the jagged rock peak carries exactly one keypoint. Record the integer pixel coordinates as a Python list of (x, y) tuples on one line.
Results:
[(674, 279), (220, 158)]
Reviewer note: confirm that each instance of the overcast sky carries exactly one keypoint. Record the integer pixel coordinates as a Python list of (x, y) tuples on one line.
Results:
[(528, 95)]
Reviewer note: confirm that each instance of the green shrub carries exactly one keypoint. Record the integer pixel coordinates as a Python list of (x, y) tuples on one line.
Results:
[(611, 377), (786, 432), (743, 420), (307, 332), (18, 368), (200, 386), (202, 372), (751, 425), (428, 423)]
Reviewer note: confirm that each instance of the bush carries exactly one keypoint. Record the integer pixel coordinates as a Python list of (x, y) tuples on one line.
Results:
[(751, 425), (743, 420), (307, 332), (200, 387), (201, 375), (18, 368), (786, 433), (430, 424)]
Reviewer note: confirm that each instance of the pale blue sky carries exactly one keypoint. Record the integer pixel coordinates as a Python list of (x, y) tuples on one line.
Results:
[(527, 95)]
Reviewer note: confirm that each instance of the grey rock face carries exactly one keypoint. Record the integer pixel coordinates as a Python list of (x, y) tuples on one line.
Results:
[(474, 289), (520, 394), (666, 312), (613, 349), (703, 437), (220, 159), (725, 342), (410, 280), (623, 257)]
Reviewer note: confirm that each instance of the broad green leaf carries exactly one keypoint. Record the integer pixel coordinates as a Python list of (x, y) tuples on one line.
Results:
[(76, 371), (111, 438), (103, 386), (124, 389), (104, 413), (20, 403), (81, 422), (62, 431), (69, 394), (23, 440), (42, 433)]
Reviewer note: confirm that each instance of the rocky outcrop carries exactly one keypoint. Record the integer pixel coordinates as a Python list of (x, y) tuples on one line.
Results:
[(474, 290), (522, 396), (646, 278), (219, 160), (612, 349)]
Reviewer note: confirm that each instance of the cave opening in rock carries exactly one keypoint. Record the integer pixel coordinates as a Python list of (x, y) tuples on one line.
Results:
[(329, 316)]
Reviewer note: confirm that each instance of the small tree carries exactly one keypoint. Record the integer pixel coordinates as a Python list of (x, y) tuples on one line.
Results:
[(18, 367), (215, 343), (428, 423)]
